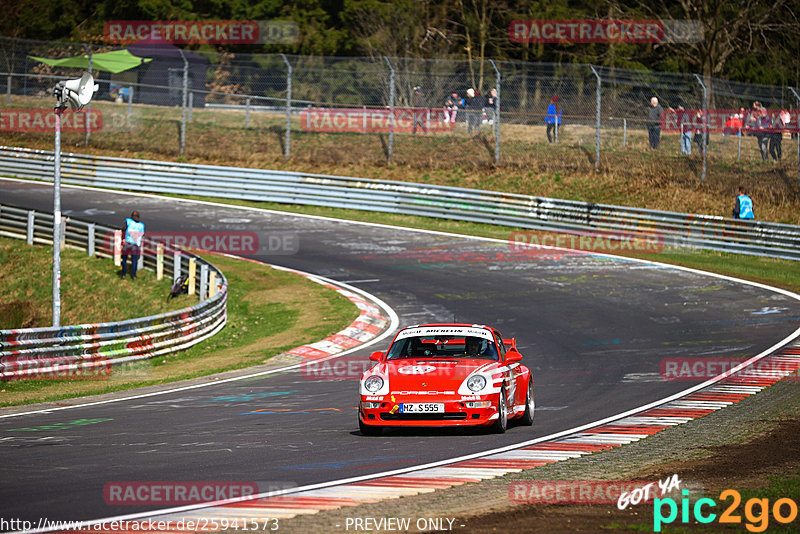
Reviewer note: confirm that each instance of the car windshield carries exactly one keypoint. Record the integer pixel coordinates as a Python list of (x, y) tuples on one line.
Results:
[(443, 347)]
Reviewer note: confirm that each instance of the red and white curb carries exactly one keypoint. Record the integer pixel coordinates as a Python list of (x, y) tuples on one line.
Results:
[(616, 433)]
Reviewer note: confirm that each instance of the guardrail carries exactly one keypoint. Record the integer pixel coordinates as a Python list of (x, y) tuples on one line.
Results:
[(519, 211), (90, 350)]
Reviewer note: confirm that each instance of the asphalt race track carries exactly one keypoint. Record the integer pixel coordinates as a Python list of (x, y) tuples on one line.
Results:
[(594, 330)]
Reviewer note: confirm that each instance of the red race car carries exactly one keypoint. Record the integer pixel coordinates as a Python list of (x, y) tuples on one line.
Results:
[(446, 375)]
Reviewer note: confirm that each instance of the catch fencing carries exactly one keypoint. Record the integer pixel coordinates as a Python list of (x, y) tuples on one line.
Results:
[(90, 350), (513, 210), (395, 110)]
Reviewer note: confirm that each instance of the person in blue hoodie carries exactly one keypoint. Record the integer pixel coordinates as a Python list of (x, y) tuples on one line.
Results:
[(553, 119), (132, 244), (743, 208)]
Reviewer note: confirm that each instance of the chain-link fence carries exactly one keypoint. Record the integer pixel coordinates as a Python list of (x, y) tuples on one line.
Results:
[(421, 113)]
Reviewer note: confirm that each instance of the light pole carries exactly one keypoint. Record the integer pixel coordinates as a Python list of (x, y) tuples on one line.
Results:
[(77, 93)]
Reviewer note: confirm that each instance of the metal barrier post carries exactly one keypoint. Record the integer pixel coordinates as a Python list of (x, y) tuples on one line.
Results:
[(192, 274), (212, 284), (176, 265), (31, 219), (90, 244), (496, 122), (597, 127), (159, 261), (288, 140), (247, 113), (203, 281), (391, 110), (705, 129), (117, 248), (140, 261), (184, 99)]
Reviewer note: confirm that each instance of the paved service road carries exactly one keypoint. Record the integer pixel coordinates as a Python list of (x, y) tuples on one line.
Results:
[(594, 330)]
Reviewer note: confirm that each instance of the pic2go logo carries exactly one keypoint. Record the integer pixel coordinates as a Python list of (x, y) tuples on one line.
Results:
[(756, 511)]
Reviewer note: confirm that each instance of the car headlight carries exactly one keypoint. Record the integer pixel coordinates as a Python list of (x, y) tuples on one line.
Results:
[(373, 383), (476, 383)]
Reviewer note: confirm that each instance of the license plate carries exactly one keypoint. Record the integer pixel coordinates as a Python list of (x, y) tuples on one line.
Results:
[(422, 407)]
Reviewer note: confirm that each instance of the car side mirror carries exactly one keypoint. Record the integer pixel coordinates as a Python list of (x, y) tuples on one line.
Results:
[(376, 356), (513, 356)]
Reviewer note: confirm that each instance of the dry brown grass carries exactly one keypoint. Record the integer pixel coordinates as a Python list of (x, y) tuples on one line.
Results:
[(632, 175)]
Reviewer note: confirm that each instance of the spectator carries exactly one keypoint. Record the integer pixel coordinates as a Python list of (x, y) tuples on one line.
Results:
[(776, 138), (786, 119), (654, 123), (553, 119), (700, 131), (751, 120), (764, 132), (685, 122), (451, 108), (132, 244), (492, 104), (743, 208), (420, 110), (474, 106)]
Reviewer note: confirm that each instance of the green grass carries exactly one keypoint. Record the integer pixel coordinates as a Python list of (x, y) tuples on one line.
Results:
[(269, 312)]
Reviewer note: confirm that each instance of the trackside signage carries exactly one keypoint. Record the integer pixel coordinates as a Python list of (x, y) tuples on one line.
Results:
[(359, 120), (722, 121), (44, 120), (202, 31)]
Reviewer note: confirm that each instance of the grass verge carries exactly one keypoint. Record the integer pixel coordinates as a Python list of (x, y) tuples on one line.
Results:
[(269, 312)]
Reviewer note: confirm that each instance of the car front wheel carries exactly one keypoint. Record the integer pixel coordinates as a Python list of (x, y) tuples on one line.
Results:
[(501, 424)]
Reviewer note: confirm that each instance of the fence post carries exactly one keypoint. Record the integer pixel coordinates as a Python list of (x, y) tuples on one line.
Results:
[(130, 101), (117, 248), (184, 99), (496, 122), (797, 127), (739, 152), (8, 89), (31, 220), (391, 110), (364, 120), (203, 281), (89, 105), (90, 247), (704, 148), (624, 133), (191, 105), (287, 143), (212, 284), (247, 113), (597, 127)]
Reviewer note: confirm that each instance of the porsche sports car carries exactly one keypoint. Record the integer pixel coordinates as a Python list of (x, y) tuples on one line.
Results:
[(446, 375)]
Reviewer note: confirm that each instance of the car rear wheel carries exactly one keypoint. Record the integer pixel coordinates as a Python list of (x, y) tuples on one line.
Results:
[(501, 424), (527, 416), (369, 430)]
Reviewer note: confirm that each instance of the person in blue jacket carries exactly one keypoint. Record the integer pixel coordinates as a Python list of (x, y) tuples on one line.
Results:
[(552, 119), (743, 208), (132, 244)]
